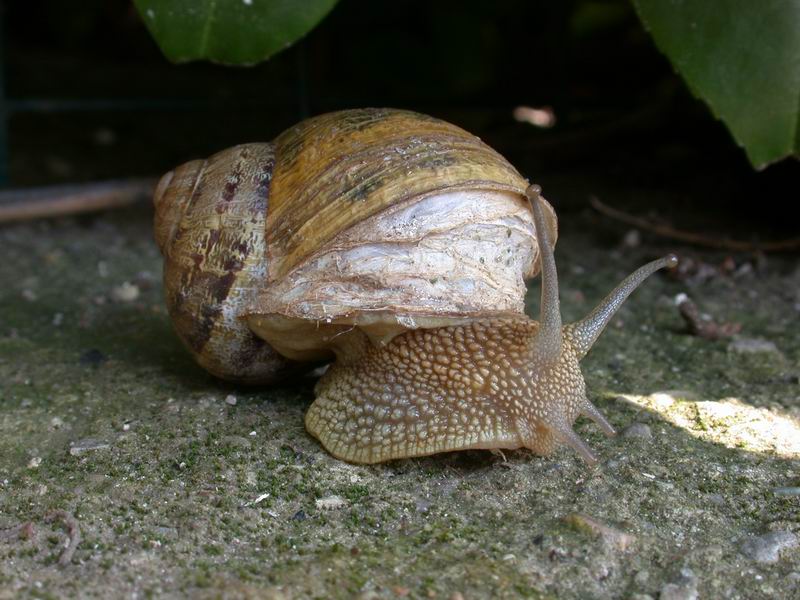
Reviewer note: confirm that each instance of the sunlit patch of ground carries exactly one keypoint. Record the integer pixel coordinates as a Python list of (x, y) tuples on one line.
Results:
[(727, 421)]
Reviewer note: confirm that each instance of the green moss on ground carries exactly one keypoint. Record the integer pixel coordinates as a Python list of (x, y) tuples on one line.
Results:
[(176, 491)]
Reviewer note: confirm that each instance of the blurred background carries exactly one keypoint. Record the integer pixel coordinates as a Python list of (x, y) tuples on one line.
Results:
[(574, 93)]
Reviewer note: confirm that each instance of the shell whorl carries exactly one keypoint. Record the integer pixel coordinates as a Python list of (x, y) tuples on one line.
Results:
[(210, 227)]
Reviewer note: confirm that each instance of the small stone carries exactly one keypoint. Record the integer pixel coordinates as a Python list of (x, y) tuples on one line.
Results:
[(638, 430), (641, 597), (786, 491), (300, 515), (58, 319), (56, 423), (401, 591), (29, 295), (613, 537), (456, 596), (331, 502), (509, 558), (632, 239), (126, 292), (34, 462), (682, 588), (767, 548), (752, 346), (87, 445), (230, 399)]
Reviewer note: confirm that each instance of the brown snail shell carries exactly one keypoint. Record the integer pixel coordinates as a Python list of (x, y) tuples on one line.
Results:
[(380, 219)]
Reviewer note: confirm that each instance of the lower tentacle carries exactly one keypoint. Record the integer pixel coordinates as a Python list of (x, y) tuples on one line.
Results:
[(590, 410), (564, 433)]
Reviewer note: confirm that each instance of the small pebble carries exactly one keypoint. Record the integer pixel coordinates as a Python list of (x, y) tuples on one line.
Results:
[(752, 346), (87, 445), (230, 399), (58, 319), (300, 515), (767, 548), (632, 239), (331, 502), (401, 591), (126, 292), (786, 491), (34, 462), (682, 588), (613, 537), (638, 430)]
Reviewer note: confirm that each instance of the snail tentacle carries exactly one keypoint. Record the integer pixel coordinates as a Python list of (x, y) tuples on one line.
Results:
[(549, 337), (583, 334), (590, 411), (564, 433)]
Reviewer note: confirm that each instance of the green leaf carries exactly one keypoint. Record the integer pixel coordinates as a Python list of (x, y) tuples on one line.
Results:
[(240, 32), (743, 58)]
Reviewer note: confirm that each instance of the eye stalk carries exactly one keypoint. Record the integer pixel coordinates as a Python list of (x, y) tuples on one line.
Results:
[(561, 347), (582, 334)]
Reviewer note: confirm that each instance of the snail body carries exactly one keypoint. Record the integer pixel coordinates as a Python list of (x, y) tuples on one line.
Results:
[(399, 245)]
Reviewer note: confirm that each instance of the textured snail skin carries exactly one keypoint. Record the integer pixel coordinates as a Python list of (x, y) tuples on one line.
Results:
[(502, 383)]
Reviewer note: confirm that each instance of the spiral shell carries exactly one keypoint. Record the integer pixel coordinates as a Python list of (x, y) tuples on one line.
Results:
[(375, 219), (209, 225)]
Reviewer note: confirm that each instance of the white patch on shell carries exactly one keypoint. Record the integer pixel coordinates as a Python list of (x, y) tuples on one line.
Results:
[(462, 253)]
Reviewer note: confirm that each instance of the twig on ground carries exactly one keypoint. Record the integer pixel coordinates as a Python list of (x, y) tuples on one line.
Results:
[(73, 531), (704, 328), (63, 200), (693, 238)]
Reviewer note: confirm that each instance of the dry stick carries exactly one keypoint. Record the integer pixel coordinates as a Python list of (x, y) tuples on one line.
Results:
[(693, 238), (73, 531), (698, 326), (62, 200)]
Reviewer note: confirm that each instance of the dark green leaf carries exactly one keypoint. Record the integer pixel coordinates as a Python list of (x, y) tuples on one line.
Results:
[(743, 58), (237, 32)]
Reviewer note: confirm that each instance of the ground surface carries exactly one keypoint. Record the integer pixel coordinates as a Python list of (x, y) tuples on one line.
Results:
[(180, 484)]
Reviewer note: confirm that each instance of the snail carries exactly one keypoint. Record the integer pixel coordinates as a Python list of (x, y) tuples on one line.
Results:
[(398, 245)]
